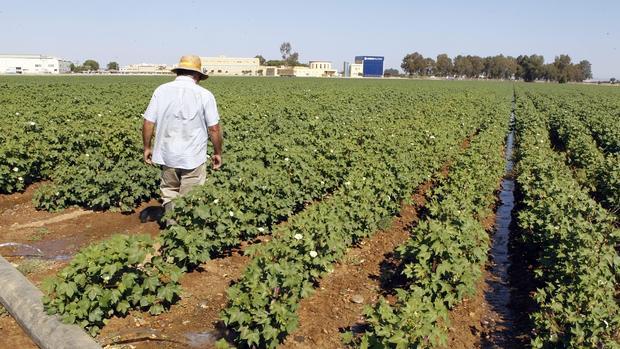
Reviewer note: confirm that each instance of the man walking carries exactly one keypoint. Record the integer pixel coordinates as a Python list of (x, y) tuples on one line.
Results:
[(184, 115)]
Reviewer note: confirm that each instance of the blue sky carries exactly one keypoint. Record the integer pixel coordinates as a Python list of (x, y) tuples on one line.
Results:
[(160, 31)]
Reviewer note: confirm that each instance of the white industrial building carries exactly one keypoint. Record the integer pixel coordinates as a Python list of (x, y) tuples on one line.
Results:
[(231, 66), (356, 70), (146, 69), (315, 69), (33, 64), (237, 66)]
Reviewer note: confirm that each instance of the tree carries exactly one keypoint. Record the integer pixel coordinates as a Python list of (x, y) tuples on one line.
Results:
[(72, 67), (443, 65), (285, 50), (288, 56), (562, 65), (477, 66), (391, 72), (586, 69), (112, 66), (274, 63), (499, 67), (530, 68), (549, 73), (463, 66), (414, 64), (261, 59), (90, 64), (612, 80), (293, 59)]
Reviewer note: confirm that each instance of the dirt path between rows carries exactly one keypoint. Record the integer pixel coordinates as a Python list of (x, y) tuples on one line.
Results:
[(342, 295)]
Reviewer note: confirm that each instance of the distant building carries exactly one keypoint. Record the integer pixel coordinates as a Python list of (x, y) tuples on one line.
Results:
[(315, 69), (33, 64), (232, 66), (366, 66), (146, 69), (346, 70)]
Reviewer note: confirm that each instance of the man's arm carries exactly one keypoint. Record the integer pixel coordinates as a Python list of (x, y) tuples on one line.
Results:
[(215, 135), (148, 128)]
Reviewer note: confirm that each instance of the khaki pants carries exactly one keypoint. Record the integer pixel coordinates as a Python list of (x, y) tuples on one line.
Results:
[(178, 182)]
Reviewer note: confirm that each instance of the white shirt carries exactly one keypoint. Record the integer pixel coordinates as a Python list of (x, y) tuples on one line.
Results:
[(181, 110)]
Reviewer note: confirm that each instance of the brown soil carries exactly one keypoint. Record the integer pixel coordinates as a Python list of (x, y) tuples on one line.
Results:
[(59, 236), (342, 295), (467, 321), (191, 323)]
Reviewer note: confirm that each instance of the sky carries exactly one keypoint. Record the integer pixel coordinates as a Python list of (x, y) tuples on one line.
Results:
[(137, 31)]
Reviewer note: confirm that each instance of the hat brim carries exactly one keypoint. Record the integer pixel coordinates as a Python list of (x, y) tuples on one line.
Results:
[(203, 75)]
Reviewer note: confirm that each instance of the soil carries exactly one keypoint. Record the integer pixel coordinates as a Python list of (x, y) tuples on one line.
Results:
[(58, 236), (342, 295), (192, 323)]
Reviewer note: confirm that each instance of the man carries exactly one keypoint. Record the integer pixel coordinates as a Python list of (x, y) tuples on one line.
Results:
[(184, 116)]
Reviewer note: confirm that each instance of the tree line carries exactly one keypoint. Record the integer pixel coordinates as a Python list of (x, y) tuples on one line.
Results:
[(91, 65), (527, 68)]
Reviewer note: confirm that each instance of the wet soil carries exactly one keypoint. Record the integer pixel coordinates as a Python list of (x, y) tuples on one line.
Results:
[(52, 239)]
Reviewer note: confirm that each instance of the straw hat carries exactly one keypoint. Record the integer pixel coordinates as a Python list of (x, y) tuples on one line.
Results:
[(191, 63)]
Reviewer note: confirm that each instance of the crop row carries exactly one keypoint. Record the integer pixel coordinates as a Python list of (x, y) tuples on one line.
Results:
[(598, 172), (442, 261), (572, 240)]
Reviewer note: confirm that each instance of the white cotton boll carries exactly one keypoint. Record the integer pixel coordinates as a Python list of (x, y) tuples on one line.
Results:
[(261, 230), (313, 254), (298, 236), (216, 201), (17, 114), (32, 123), (20, 178), (15, 169), (286, 159), (231, 213)]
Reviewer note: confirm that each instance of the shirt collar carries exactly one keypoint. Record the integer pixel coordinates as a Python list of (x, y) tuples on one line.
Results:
[(185, 78)]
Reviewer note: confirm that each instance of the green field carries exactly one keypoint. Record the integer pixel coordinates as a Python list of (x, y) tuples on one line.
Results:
[(320, 165)]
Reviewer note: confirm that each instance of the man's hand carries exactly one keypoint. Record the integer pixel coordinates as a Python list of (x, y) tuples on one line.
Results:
[(215, 135), (148, 129), (148, 154), (216, 161)]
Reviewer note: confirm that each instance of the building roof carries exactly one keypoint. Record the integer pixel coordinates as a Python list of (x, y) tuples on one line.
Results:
[(26, 56)]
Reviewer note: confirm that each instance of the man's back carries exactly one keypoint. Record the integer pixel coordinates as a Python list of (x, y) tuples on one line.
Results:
[(181, 110)]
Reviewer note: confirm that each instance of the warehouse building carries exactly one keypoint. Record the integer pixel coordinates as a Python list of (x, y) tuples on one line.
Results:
[(33, 64), (232, 66), (146, 69), (315, 69), (364, 66)]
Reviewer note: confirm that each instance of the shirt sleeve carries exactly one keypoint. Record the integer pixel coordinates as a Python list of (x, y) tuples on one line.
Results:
[(211, 114), (151, 111)]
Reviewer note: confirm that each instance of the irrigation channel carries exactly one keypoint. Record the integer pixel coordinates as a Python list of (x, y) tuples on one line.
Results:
[(498, 291)]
